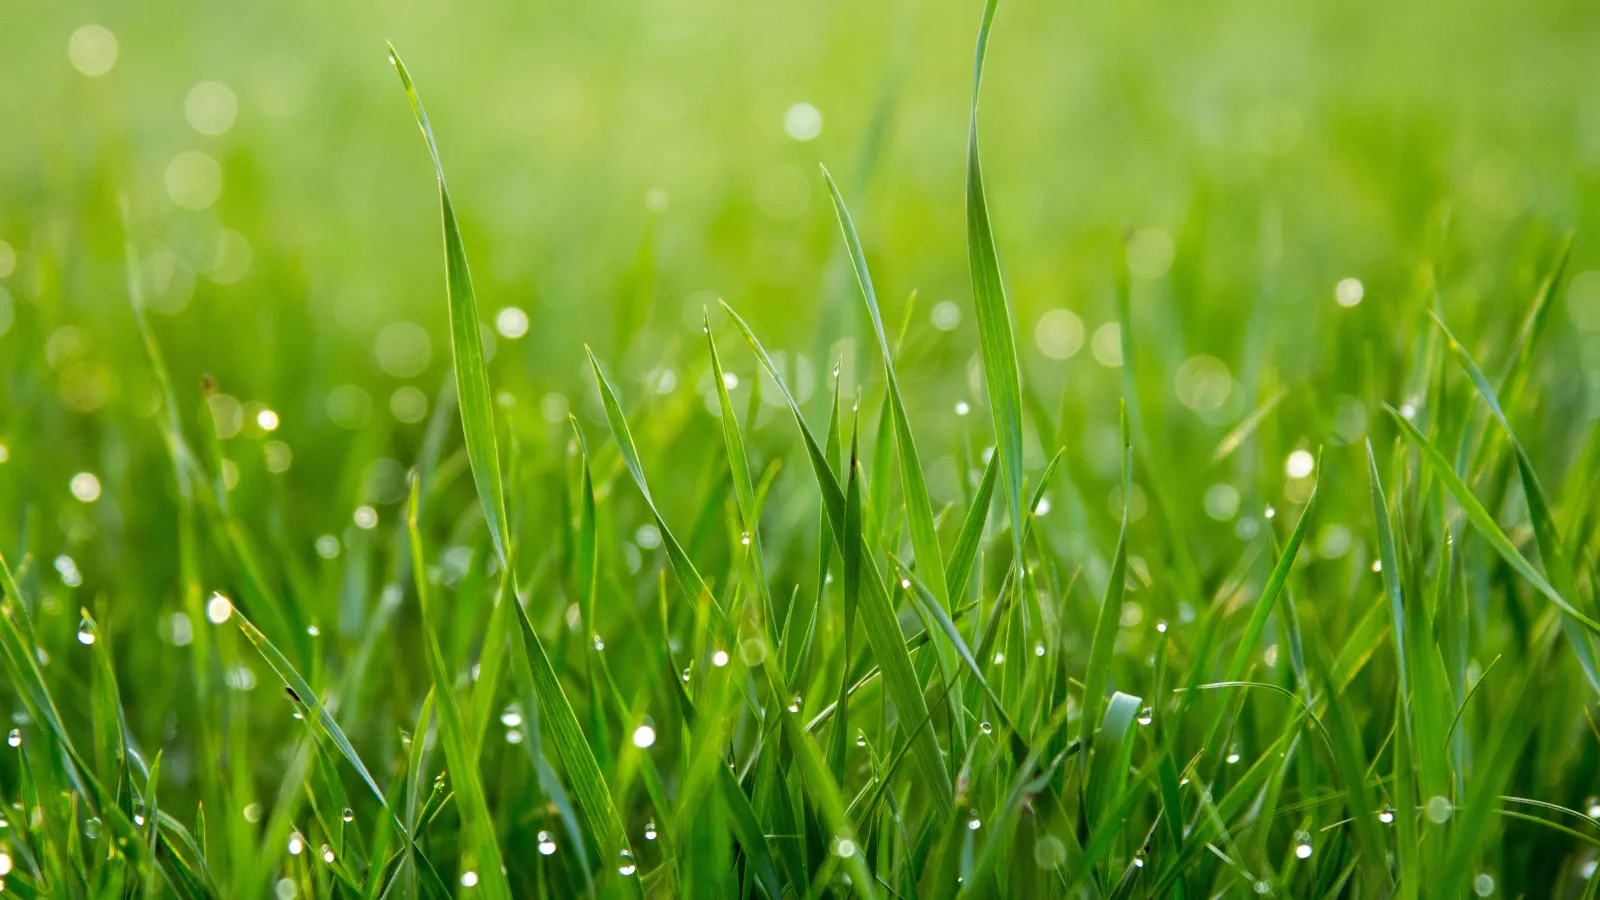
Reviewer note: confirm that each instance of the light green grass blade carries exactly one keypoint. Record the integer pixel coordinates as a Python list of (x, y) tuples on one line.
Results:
[(997, 343), (1391, 570), (1547, 536), (688, 576), (1098, 673), (919, 509), (1483, 521), (466, 342), (878, 616)]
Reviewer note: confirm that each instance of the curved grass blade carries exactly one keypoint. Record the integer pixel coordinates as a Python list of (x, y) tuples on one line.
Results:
[(1483, 521), (997, 343), (878, 616), (1546, 535), (472, 374), (919, 509)]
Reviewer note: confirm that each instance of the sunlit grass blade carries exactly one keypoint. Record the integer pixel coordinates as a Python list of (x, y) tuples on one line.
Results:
[(997, 344), (466, 343), (1098, 672)]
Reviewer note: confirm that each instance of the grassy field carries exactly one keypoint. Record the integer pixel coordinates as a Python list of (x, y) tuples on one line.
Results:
[(1199, 498)]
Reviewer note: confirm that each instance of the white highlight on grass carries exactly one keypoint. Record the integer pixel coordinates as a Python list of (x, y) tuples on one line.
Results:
[(193, 180), (644, 736), (1059, 334), (945, 316), (218, 609), (86, 487), (92, 50), (1299, 464), (211, 107), (1348, 292), (802, 121), (1107, 345), (511, 322)]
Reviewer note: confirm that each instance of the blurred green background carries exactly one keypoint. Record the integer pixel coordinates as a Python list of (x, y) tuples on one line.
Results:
[(1272, 176), (619, 165)]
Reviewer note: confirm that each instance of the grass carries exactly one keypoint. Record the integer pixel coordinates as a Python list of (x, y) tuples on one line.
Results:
[(1226, 612)]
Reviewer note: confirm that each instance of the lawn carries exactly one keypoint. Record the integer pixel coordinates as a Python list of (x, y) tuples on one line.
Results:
[(716, 456)]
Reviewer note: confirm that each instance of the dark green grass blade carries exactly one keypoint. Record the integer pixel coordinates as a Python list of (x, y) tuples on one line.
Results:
[(997, 343), (466, 343)]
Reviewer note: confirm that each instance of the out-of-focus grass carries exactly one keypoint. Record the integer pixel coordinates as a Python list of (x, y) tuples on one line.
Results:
[(1249, 222)]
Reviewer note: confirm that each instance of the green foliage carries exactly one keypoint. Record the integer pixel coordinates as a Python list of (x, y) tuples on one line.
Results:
[(623, 616)]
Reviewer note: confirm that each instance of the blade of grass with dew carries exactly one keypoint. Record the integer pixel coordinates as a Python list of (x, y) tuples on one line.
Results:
[(1483, 521), (688, 576), (878, 617), (1546, 535), (919, 509), (996, 342)]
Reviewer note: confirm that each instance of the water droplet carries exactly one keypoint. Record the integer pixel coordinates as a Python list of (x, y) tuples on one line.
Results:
[(1049, 852), (547, 844), (794, 706), (974, 823), (349, 815), (1377, 565), (686, 673), (1233, 754), (1263, 886), (836, 368), (719, 658), (861, 738), (86, 630), (469, 878), (91, 828), (513, 736), (1038, 648), (986, 728), (313, 630), (327, 854), (1161, 626), (744, 539), (625, 864), (1302, 844), (15, 737), (844, 847), (999, 657), (1439, 809), (296, 844), (511, 717), (598, 643), (962, 408), (1483, 885), (1386, 815), (905, 584), (1592, 807), (1138, 862), (650, 830), (644, 736), (1146, 716)]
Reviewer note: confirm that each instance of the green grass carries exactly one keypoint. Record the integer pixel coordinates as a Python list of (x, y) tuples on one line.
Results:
[(1269, 584)]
